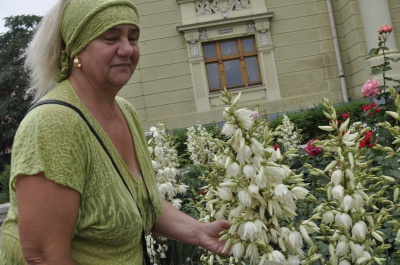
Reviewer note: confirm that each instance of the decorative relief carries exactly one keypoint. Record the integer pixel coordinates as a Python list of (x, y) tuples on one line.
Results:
[(262, 25), (250, 28), (264, 40), (203, 35), (192, 36), (194, 49), (209, 7)]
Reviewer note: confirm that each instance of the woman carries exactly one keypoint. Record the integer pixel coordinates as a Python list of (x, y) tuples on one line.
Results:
[(70, 202)]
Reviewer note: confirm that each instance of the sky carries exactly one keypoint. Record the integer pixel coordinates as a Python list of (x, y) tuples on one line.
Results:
[(23, 7)]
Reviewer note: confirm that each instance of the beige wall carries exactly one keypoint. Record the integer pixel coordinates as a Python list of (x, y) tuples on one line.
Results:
[(162, 86), (352, 44)]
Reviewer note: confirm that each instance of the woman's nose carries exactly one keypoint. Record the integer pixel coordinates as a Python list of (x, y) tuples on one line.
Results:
[(125, 48)]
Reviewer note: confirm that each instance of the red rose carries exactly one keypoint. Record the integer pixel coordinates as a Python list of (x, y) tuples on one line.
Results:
[(345, 115), (312, 150)]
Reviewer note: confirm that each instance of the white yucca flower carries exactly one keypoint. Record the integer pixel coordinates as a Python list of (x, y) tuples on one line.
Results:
[(255, 191), (348, 208), (165, 162), (199, 145), (289, 137)]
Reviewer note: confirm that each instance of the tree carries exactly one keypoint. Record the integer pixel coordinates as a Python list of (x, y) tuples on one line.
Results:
[(14, 80)]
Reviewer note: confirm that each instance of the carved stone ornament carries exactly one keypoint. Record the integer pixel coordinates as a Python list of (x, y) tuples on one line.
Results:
[(203, 34), (209, 7), (194, 49), (264, 40), (192, 36), (262, 25), (250, 28)]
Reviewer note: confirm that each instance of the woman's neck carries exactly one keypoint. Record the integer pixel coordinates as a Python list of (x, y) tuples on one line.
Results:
[(99, 100)]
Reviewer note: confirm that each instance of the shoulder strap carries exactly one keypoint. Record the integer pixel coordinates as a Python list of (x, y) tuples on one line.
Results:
[(63, 103)]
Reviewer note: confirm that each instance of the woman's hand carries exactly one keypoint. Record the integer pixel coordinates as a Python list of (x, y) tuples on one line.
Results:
[(209, 237), (176, 225)]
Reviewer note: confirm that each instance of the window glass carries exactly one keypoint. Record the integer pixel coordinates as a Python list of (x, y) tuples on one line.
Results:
[(232, 63), (233, 73), (213, 76), (253, 72), (248, 45), (209, 50), (229, 47)]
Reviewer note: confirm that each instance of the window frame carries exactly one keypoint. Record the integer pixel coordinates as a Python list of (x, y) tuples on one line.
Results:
[(241, 55)]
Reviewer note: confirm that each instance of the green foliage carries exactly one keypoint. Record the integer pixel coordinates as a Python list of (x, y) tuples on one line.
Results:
[(13, 79), (4, 185), (309, 119)]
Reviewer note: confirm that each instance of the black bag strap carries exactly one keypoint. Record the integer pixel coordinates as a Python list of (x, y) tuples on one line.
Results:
[(68, 105)]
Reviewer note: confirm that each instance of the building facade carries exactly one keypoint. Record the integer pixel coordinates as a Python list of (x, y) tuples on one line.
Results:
[(282, 55)]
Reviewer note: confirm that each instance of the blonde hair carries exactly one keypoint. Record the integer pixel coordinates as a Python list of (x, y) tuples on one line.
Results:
[(43, 53)]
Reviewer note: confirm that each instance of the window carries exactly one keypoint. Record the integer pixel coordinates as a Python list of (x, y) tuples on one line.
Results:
[(231, 63)]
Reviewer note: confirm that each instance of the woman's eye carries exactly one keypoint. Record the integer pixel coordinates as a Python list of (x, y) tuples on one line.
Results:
[(110, 38), (133, 40)]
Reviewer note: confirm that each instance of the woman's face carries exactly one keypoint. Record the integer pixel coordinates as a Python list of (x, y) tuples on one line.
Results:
[(110, 59)]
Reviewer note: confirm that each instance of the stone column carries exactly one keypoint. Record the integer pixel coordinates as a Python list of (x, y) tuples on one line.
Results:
[(374, 14), (196, 64)]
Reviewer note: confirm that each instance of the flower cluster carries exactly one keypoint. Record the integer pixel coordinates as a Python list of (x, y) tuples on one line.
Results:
[(348, 223), (251, 188), (371, 109), (385, 29), (165, 162), (288, 136), (370, 88), (368, 140), (199, 145)]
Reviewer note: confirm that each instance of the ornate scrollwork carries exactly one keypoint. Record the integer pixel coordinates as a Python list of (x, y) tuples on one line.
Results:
[(209, 7)]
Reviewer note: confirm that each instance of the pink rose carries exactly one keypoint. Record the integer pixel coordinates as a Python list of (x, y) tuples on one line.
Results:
[(385, 29), (370, 88), (312, 150)]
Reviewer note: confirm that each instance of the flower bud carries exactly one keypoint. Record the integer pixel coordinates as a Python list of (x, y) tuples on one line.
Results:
[(359, 231), (299, 192), (337, 177), (249, 171), (330, 166), (237, 250), (342, 249), (377, 236), (396, 194), (338, 192), (225, 194), (344, 125), (358, 201), (326, 128), (328, 217), (347, 203)]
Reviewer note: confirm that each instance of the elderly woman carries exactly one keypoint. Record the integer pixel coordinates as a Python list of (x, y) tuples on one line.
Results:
[(83, 188)]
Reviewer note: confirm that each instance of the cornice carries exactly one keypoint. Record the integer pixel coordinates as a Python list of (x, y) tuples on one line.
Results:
[(227, 21), (184, 1)]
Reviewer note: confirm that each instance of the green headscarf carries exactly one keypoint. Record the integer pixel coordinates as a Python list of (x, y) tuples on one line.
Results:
[(84, 20)]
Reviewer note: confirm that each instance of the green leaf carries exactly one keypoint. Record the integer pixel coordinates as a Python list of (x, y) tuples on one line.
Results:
[(373, 52)]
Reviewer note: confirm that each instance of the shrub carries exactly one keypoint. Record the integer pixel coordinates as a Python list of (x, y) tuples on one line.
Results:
[(4, 184)]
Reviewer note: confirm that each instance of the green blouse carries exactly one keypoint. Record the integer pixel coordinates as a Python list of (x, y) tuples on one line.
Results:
[(55, 140)]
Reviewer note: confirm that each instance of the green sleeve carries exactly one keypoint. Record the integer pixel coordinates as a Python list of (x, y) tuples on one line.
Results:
[(52, 139)]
